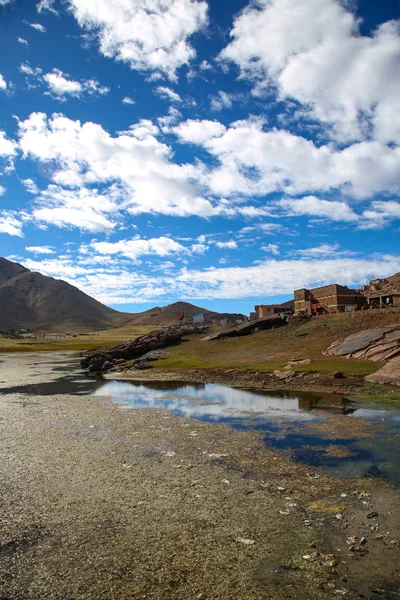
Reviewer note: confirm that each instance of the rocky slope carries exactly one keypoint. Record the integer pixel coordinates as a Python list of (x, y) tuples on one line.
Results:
[(380, 344), (138, 348), (383, 287)]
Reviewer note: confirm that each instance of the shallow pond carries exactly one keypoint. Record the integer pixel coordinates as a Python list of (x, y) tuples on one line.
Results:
[(344, 436)]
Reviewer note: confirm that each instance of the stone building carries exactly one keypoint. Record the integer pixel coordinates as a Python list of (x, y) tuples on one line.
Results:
[(267, 310), (331, 298), (382, 293)]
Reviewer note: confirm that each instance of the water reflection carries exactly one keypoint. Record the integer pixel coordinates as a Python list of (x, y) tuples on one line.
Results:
[(218, 402), (292, 421)]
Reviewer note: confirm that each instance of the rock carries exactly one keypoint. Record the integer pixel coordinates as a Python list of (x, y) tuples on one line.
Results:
[(249, 327), (284, 374), (358, 341), (389, 374), (142, 365), (299, 361), (140, 346), (338, 375), (373, 344), (97, 363)]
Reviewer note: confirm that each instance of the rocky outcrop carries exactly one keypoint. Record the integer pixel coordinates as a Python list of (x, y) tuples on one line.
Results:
[(104, 361), (373, 344), (389, 374), (249, 327)]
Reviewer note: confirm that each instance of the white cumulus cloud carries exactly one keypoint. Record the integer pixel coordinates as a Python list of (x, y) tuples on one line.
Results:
[(136, 172), (10, 224), (198, 132), (272, 248), (138, 246), (231, 244), (8, 148), (61, 85), (149, 35), (168, 94), (258, 161), (317, 207), (3, 83), (39, 249), (312, 51)]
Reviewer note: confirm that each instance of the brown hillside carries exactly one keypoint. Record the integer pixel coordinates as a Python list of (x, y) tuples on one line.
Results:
[(32, 300), (168, 315)]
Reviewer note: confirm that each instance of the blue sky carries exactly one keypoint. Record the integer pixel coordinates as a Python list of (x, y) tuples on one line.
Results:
[(223, 152)]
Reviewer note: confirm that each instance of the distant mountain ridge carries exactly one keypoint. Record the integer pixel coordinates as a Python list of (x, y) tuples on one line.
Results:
[(35, 301), (169, 314)]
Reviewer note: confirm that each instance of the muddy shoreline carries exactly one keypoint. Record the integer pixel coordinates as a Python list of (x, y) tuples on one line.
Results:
[(102, 503), (313, 382)]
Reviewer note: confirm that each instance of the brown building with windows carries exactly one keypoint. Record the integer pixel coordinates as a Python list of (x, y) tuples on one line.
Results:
[(267, 310), (331, 298)]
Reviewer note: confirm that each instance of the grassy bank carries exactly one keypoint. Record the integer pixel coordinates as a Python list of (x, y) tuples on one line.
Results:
[(80, 343), (267, 351)]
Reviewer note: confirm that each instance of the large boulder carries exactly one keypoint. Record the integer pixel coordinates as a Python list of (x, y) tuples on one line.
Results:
[(372, 344), (101, 361), (250, 327), (389, 374), (379, 345)]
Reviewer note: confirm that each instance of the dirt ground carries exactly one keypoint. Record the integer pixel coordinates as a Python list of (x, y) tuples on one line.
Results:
[(99, 503)]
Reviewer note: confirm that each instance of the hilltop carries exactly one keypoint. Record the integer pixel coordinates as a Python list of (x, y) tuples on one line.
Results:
[(169, 314)]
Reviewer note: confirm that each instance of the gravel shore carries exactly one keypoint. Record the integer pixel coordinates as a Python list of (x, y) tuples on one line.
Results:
[(99, 503)]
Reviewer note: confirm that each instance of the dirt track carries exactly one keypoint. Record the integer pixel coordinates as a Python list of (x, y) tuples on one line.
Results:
[(102, 503)]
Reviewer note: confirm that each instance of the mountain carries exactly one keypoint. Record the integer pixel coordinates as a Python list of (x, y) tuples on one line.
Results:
[(32, 300), (169, 314)]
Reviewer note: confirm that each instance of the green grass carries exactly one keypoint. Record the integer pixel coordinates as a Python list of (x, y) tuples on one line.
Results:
[(267, 351), (97, 339), (43, 347), (348, 366), (380, 395), (264, 351)]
